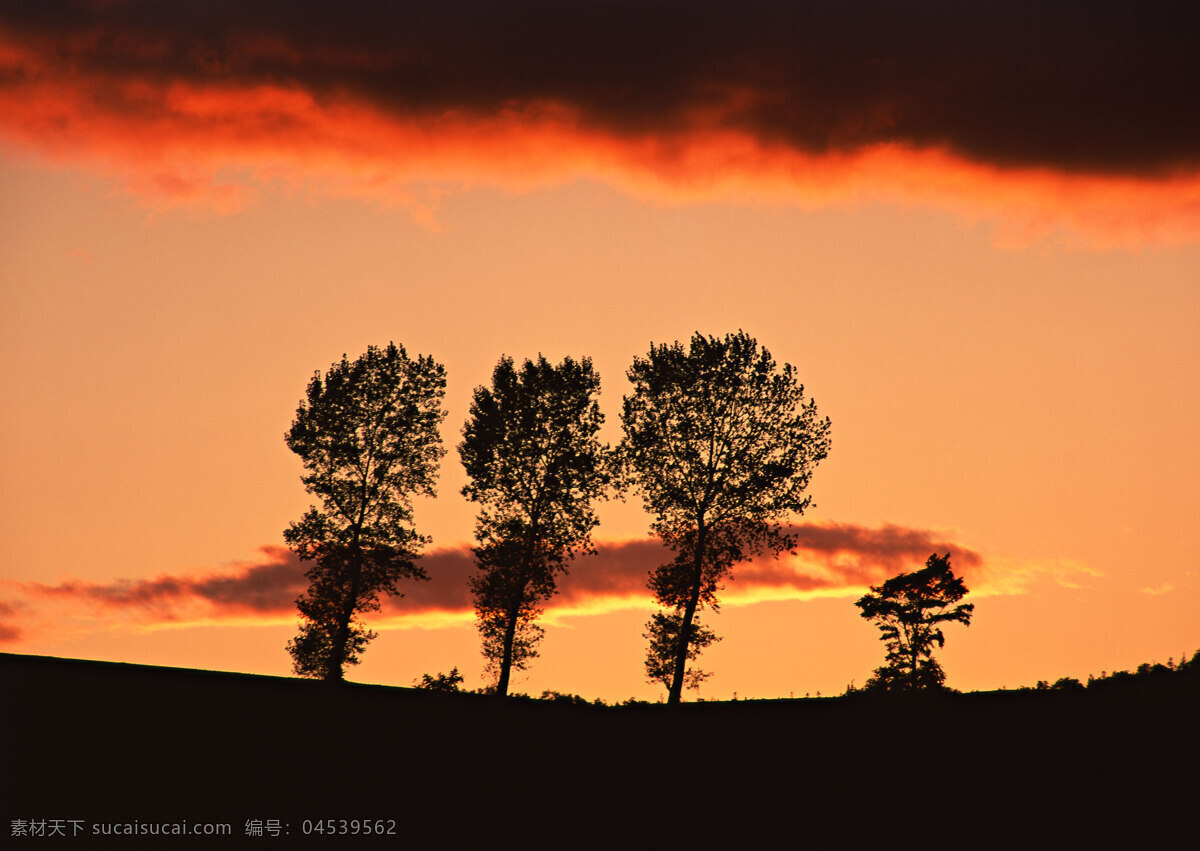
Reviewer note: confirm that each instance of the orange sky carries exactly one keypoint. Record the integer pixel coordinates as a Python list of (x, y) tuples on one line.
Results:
[(1002, 330)]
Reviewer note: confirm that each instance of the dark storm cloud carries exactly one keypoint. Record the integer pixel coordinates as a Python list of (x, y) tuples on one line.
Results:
[(1098, 87)]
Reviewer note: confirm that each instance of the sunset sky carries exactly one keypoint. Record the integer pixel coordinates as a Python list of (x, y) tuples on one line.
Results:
[(973, 228)]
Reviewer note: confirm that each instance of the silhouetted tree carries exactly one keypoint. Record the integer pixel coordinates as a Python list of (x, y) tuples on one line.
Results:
[(721, 446), (530, 450), (1185, 674), (908, 609), (368, 436)]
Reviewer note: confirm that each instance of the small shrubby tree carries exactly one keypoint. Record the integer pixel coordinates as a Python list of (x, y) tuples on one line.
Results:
[(908, 610), (368, 435)]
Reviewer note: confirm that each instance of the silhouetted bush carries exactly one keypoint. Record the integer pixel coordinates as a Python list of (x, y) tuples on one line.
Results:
[(441, 682), (1067, 684), (562, 697)]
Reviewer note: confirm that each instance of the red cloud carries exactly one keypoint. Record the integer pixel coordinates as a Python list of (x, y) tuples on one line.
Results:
[(268, 587), (828, 556), (8, 632), (1086, 120)]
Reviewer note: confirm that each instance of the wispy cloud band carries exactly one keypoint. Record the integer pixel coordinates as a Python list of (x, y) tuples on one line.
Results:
[(830, 558)]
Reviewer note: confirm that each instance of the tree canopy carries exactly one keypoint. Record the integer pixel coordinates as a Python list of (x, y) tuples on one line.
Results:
[(535, 467), (721, 445), (908, 609), (368, 434)]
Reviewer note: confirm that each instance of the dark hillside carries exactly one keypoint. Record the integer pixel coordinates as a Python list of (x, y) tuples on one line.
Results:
[(109, 742)]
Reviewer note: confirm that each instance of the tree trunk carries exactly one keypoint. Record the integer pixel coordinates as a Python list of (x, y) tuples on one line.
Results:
[(689, 613), (337, 654), (510, 633), (334, 671), (514, 611)]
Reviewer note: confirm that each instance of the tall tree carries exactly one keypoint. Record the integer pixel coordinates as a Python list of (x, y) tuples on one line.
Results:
[(368, 434), (907, 609), (721, 446), (535, 467)]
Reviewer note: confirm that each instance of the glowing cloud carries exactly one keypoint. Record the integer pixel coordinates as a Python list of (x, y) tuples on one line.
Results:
[(830, 560), (1074, 119)]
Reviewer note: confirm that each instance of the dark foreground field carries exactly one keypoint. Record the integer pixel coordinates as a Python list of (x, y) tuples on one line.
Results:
[(95, 743)]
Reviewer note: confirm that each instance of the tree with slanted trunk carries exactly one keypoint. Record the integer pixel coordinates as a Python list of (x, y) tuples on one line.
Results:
[(508, 588), (721, 445), (535, 466), (907, 609), (368, 434)]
